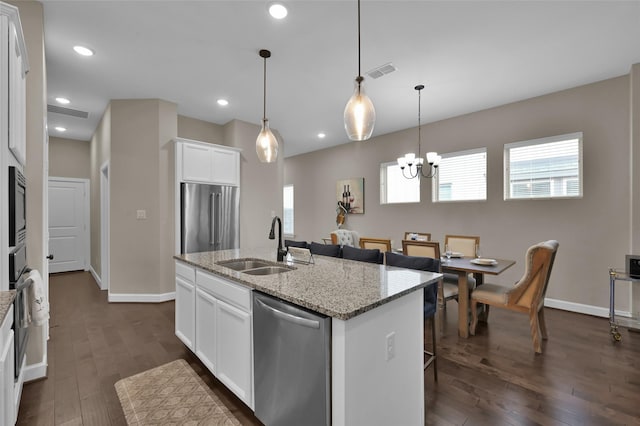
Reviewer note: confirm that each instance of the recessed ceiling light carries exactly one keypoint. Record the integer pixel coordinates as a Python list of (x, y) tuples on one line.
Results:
[(61, 129), (278, 10), (321, 135), (223, 102), (84, 51), (63, 101)]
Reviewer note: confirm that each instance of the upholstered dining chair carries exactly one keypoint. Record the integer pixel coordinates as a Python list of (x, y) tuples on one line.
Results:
[(332, 250), (465, 244), (448, 288), (345, 237), (292, 243), (363, 255), (381, 244), (526, 295), (420, 236), (430, 306)]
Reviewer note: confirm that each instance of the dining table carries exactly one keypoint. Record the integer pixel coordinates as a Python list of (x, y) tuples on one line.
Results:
[(462, 267)]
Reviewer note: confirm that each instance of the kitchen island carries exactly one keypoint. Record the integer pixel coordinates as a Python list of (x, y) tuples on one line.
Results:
[(376, 327)]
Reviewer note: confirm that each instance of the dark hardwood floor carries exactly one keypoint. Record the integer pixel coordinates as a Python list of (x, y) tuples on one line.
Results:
[(493, 378)]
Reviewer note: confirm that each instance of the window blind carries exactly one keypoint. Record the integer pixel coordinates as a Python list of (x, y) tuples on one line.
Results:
[(462, 176)]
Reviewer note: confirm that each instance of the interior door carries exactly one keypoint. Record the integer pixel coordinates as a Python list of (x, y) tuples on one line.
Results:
[(68, 227)]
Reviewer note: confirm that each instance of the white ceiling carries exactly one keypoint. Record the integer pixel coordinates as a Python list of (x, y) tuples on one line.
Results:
[(470, 55)]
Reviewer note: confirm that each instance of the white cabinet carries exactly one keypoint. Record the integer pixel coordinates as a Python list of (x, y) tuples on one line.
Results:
[(221, 327), (7, 402), (207, 163), (234, 354), (185, 304), (13, 57), (206, 329)]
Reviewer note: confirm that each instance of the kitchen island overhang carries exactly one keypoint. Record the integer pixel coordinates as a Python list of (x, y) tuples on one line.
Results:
[(377, 328)]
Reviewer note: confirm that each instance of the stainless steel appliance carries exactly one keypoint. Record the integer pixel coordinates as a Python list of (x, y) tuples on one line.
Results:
[(17, 263), (209, 217), (292, 368), (20, 318), (17, 207)]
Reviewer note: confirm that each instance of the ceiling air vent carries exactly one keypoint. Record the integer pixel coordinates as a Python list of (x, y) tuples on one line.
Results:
[(381, 70), (67, 111)]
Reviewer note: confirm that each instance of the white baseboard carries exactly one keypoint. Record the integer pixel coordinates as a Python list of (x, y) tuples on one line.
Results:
[(96, 277), (141, 298), (583, 309), (35, 371)]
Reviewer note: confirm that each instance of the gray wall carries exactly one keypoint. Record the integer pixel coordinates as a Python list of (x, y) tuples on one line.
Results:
[(593, 231), (69, 158)]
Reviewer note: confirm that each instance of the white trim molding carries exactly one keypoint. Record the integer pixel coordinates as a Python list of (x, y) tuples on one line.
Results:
[(583, 309), (35, 371), (96, 277), (141, 298)]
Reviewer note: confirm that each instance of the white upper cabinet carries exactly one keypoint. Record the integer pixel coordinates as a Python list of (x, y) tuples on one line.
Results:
[(207, 163), (13, 57)]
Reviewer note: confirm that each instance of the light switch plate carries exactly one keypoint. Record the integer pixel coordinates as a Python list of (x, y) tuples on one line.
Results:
[(141, 214)]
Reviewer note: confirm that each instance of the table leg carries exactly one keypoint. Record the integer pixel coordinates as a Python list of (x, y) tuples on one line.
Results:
[(463, 305)]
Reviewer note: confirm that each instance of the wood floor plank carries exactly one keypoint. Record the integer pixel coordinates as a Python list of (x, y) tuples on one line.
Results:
[(493, 378)]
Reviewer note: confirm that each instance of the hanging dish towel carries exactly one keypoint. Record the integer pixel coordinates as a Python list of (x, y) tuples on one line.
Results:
[(39, 303)]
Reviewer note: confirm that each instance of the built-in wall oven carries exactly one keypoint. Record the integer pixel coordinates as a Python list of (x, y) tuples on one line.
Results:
[(18, 272)]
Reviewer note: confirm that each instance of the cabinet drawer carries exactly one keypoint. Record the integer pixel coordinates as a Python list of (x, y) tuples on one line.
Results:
[(229, 292), (185, 271)]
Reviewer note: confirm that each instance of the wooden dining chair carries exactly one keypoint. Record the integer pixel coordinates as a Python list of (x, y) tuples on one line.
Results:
[(526, 296), (384, 245), (465, 244), (419, 236), (447, 290)]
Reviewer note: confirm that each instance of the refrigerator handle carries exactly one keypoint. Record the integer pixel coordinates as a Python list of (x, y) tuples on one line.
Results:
[(212, 219)]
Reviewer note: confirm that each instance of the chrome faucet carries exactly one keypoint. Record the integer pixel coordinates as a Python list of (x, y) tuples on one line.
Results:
[(281, 252)]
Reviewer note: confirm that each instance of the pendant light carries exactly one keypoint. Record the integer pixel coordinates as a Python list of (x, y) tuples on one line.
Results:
[(266, 144), (415, 165), (359, 114)]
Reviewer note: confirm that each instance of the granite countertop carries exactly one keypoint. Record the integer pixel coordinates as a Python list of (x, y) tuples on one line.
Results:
[(6, 299), (335, 287)]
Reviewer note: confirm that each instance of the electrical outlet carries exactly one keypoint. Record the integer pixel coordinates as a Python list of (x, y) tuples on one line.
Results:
[(141, 214), (391, 346)]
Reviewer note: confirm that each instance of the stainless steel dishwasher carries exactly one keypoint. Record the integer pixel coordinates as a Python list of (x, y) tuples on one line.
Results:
[(292, 368)]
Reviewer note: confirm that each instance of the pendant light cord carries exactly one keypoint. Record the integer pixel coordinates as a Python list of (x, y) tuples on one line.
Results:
[(264, 93), (419, 102), (359, 73)]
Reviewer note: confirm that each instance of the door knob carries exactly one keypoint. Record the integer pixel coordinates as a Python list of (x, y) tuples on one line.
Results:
[(50, 257)]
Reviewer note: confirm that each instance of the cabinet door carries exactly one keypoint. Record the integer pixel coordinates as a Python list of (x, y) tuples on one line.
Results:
[(17, 93), (234, 351), (185, 311), (197, 164), (7, 404), (205, 329), (226, 167)]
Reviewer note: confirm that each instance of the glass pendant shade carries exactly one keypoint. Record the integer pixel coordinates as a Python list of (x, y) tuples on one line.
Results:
[(266, 144), (359, 114)]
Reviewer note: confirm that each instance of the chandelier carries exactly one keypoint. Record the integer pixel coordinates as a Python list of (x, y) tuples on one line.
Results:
[(412, 166)]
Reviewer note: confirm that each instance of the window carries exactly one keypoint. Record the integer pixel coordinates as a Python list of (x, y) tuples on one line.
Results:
[(544, 168), (462, 176), (395, 188), (287, 208)]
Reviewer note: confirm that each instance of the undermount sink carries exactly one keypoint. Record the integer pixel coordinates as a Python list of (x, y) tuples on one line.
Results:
[(244, 264), (267, 270), (255, 266)]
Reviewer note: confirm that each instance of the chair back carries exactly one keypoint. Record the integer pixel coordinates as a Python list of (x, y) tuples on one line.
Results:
[(332, 250), (381, 244), (420, 236), (363, 255), (528, 292), (421, 248), (292, 243), (421, 264), (345, 237), (465, 244)]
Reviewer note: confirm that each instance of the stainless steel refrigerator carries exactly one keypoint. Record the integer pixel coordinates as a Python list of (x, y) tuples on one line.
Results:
[(209, 217)]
